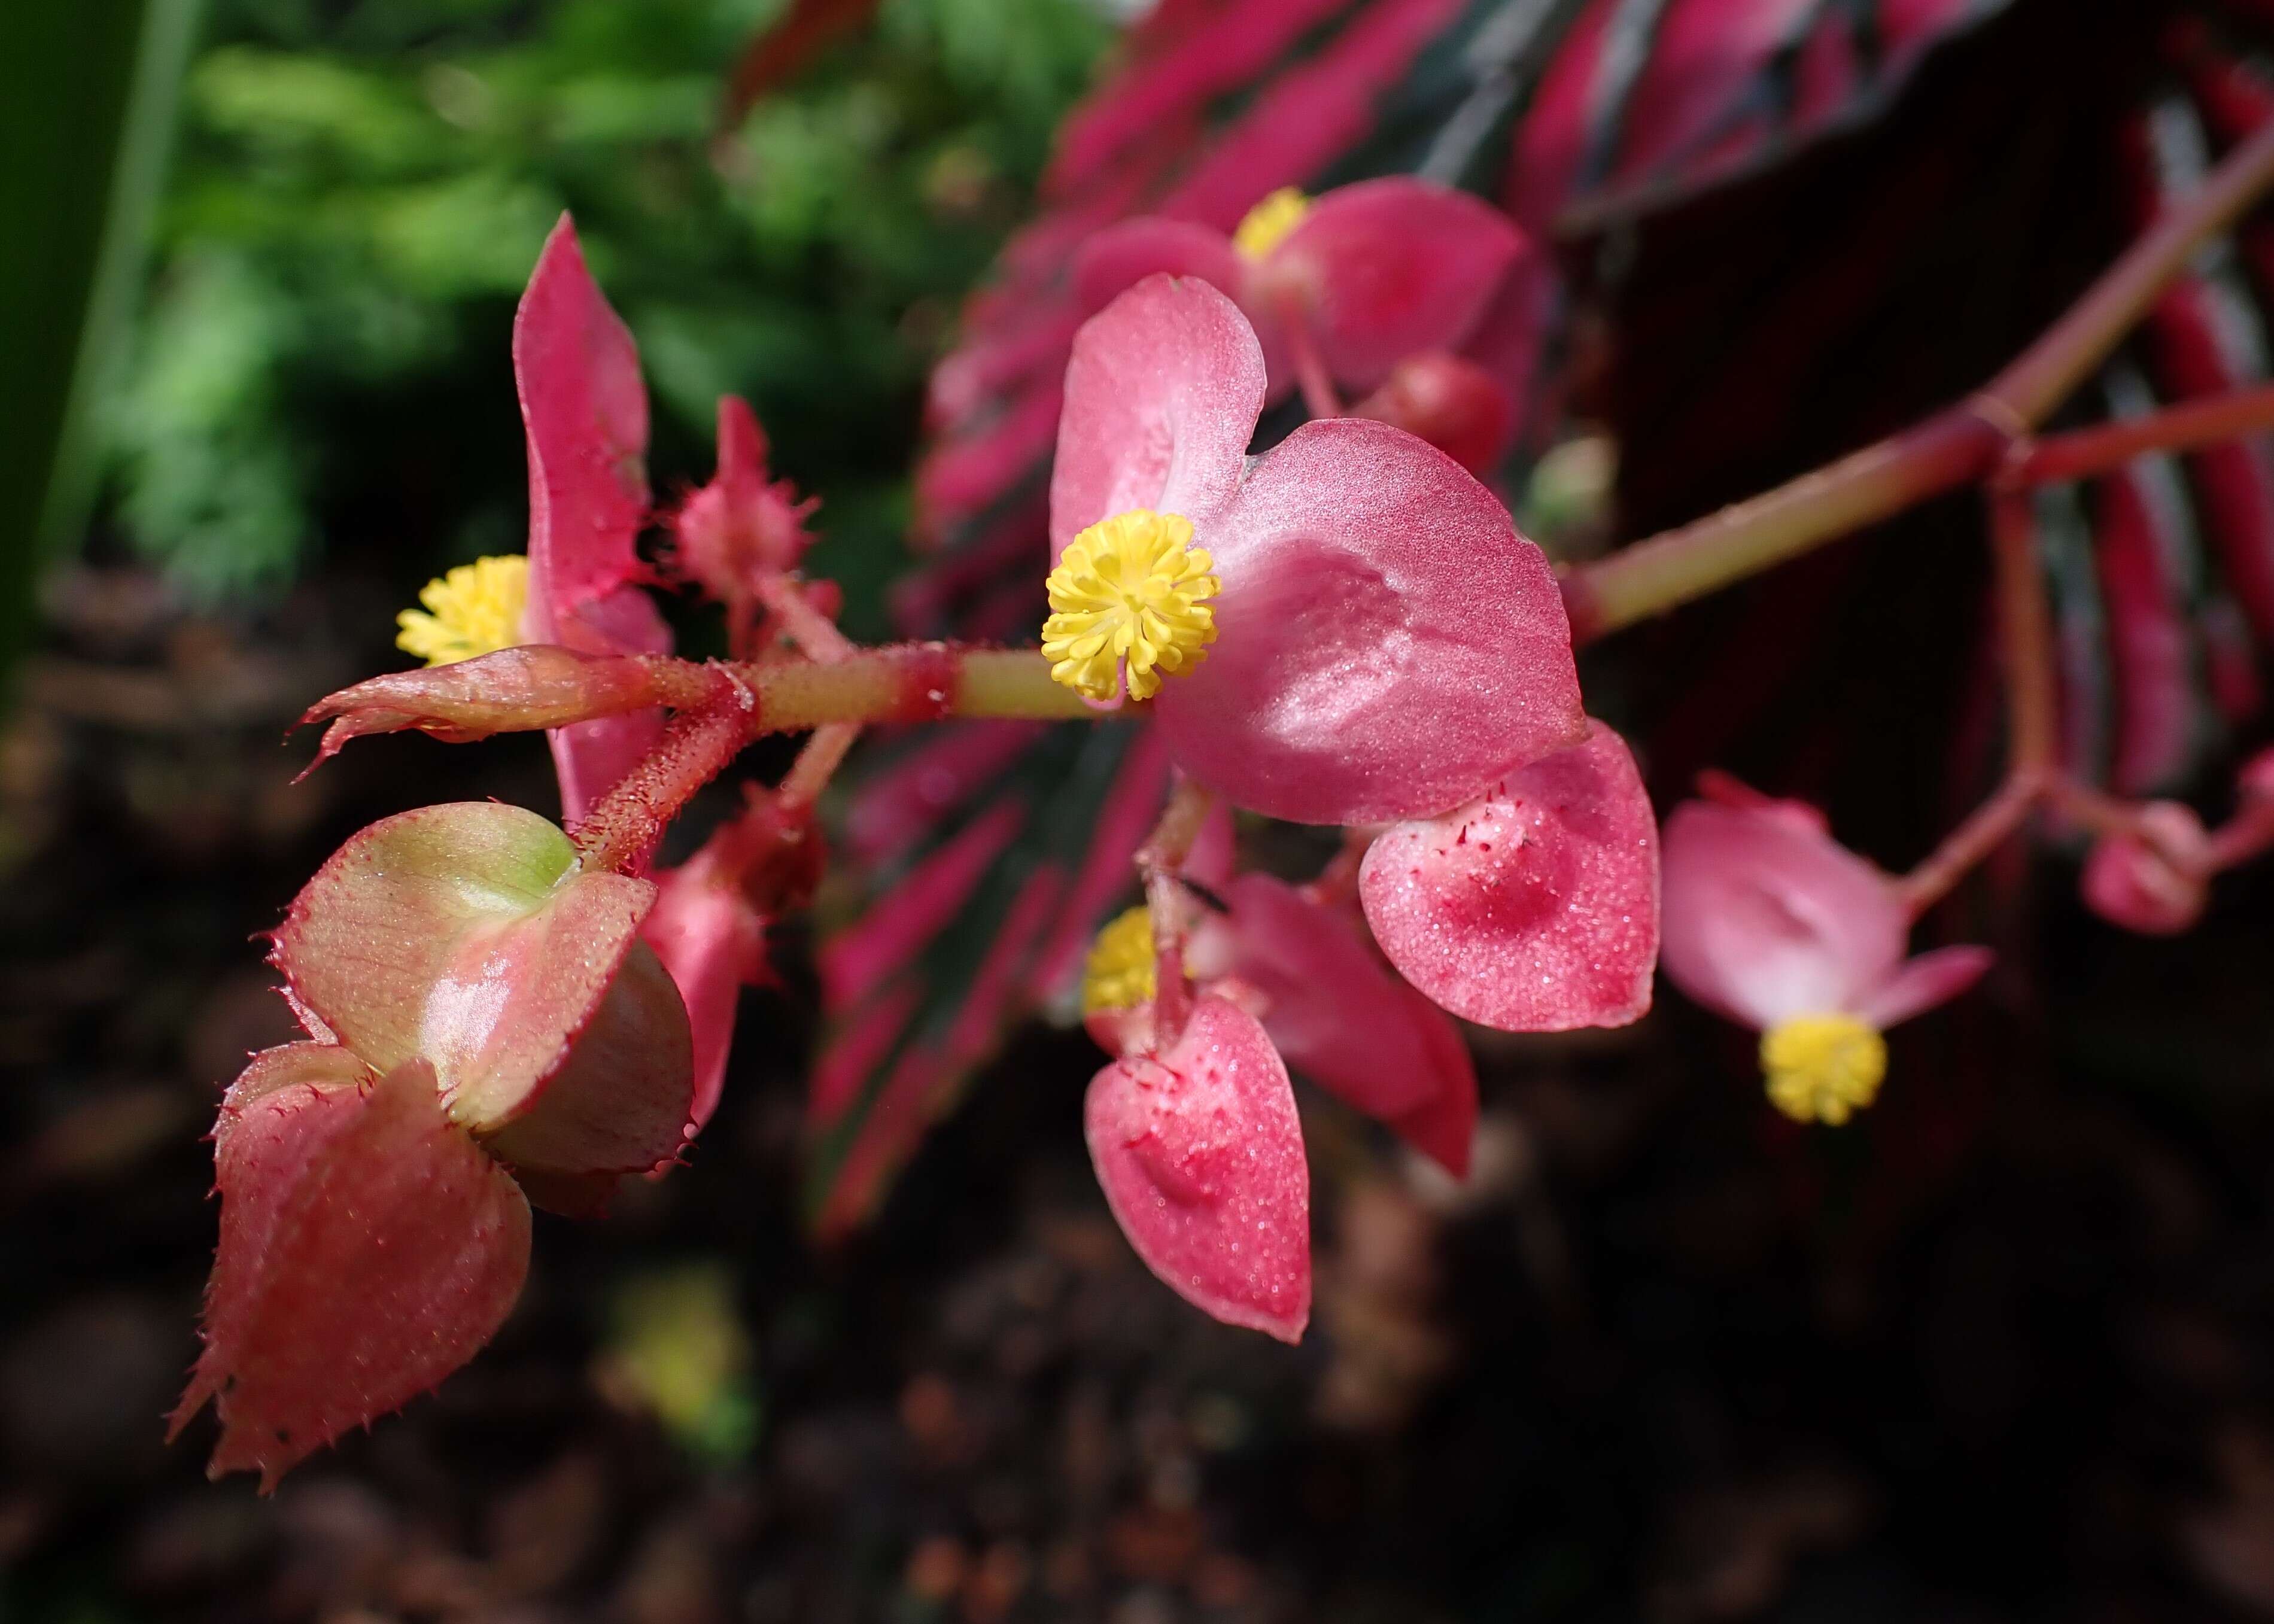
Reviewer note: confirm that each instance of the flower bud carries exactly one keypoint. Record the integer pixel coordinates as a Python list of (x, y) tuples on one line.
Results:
[(1453, 404), (2153, 879)]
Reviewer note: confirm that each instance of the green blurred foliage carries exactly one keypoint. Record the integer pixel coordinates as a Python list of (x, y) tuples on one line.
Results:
[(362, 188)]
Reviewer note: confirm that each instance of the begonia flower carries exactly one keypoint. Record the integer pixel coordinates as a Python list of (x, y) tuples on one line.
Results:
[(487, 1031), (1374, 272), (1200, 1153), (1774, 925), (1535, 908), (2154, 877), (1348, 631)]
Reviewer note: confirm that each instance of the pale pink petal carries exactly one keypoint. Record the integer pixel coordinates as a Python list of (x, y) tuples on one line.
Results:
[(1921, 983), (1162, 398), (368, 1248), (1388, 268), (1200, 1156), (1535, 908), (1387, 645), (1765, 920)]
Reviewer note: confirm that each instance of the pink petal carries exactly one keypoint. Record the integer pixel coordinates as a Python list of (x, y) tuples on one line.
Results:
[(2155, 881), (1765, 920), (1387, 645), (714, 943), (585, 411), (1336, 1014), (1161, 399), (1453, 404), (1125, 252), (368, 1248), (1201, 1157), (1534, 909), (464, 936), (1921, 983), (1388, 268)]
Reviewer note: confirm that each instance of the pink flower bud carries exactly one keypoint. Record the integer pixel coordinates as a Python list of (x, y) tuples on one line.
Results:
[(740, 526), (2155, 878), (1455, 405), (1200, 1156)]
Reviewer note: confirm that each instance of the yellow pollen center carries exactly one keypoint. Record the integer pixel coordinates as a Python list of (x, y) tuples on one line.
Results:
[(1823, 1068), (1267, 224), (1119, 974), (1129, 596), (475, 609)]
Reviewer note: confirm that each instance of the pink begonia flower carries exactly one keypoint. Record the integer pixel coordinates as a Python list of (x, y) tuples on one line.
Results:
[(1772, 924), (1349, 630), (487, 1031), (1200, 1156), (2153, 879), (585, 411), (1534, 908), (1375, 271)]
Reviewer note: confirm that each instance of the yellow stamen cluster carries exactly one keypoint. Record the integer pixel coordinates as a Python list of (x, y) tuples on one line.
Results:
[(1119, 974), (1133, 591), (475, 609), (1267, 224), (1823, 1068)]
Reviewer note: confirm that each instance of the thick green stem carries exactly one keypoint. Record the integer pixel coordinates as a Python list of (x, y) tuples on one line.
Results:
[(1953, 448), (913, 682)]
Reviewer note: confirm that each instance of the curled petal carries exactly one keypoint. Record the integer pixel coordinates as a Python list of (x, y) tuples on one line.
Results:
[(1765, 919), (1387, 645), (368, 1248), (1162, 398), (463, 935), (2153, 879), (1388, 268), (1919, 984), (1200, 1156), (1535, 908), (513, 690)]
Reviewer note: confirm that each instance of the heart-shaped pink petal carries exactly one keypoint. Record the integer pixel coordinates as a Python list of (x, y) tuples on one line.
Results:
[(1534, 909), (1200, 1156), (368, 1248)]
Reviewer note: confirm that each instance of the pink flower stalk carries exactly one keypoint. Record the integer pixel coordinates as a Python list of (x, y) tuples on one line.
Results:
[(1348, 631), (1772, 924), (1200, 1156), (487, 1030), (1368, 275), (1534, 908), (2155, 878)]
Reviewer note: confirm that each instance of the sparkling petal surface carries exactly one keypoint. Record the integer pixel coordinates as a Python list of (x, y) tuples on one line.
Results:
[(1387, 645), (1535, 908), (1200, 1156)]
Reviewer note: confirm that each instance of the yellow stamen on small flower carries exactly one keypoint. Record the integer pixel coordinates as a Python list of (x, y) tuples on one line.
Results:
[(1119, 974), (475, 609), (1823, 1068), (1129, 590), (1267, 224)]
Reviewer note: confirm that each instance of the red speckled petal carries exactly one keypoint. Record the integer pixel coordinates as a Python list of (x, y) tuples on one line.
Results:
[(1201, 1157), (1388, 268), (1387, 645), (463, 935), (1767, 918), (368, 1248), (1161, 399), (1534, 909)]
